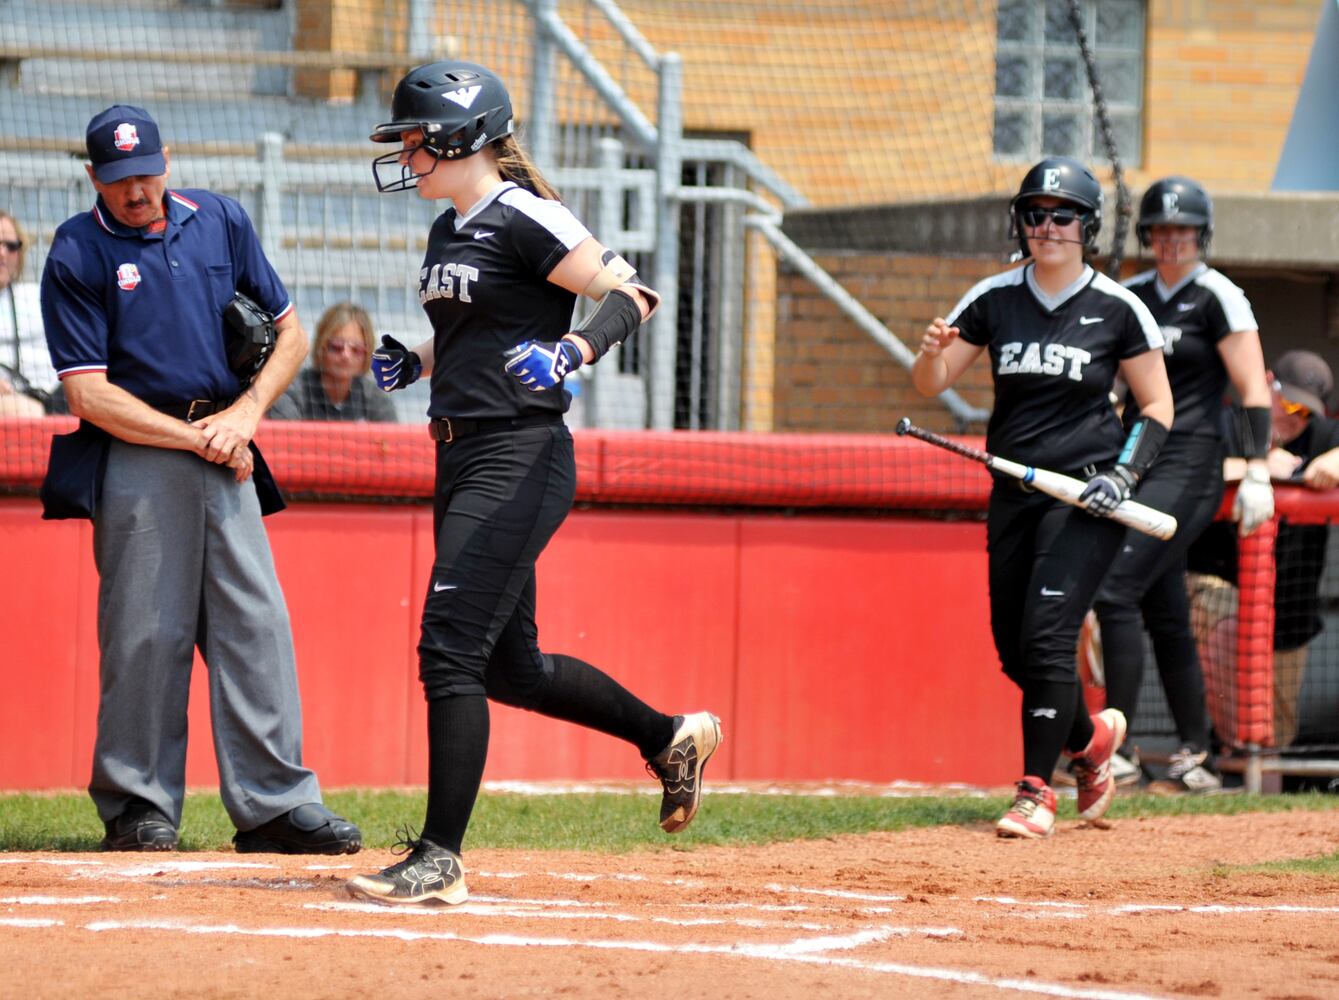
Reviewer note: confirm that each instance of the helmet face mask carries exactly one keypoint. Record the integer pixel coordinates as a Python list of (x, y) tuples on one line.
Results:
[(458, 107), (1175, 201), (1068, 181)]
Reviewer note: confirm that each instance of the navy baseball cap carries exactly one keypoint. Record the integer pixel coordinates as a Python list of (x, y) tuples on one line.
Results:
[(123, 142)]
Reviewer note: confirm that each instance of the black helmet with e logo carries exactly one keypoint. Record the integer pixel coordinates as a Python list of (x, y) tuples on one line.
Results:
[(1175, 201), (1066, 179)]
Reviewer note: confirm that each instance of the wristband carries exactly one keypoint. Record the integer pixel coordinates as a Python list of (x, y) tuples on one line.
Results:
[(1256, 425), (1142, 445)]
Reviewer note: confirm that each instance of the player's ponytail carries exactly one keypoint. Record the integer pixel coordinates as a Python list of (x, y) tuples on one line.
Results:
[(516, 166)]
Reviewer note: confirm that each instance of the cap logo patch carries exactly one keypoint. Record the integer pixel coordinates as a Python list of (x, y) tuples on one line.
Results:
[(464, 96), (125, 138), (1050, 179), (1169, 205), (127, 277)]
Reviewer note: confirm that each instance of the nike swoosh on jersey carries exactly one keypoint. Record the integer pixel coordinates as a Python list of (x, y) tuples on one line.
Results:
[(483, 234), (1048, 592), (1185, 306), (1086, 320), (437, 588)]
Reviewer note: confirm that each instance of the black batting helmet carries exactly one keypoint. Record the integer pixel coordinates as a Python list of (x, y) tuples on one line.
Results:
[(460, 107), (1066, 179), (1175, 201)]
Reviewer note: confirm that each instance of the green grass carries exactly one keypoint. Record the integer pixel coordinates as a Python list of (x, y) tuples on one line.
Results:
[(611, 822)]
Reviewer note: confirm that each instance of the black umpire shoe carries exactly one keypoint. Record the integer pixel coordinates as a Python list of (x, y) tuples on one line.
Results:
[(311, 828), (140, 827)]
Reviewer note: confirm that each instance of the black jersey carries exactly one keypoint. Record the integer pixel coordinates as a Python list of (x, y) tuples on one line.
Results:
[(485, 288), (1194, 316), (1053, 361)]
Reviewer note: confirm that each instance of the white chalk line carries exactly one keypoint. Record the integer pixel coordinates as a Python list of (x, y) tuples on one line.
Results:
[(484, 906), (30, 922), (57, 900), (1067, 908), (807, 950)]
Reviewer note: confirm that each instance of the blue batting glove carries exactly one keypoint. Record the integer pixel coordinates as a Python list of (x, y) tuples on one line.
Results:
[(538, 365), (1107, 490), (395, 366)]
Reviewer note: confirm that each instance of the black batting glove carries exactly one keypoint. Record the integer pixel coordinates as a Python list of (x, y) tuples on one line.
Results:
[(1107, 490), (395, 366)]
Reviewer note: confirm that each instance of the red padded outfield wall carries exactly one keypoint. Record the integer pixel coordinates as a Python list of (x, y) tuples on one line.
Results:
[(834, 644)]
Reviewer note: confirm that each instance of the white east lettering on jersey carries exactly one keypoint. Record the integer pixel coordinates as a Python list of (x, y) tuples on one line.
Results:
[(437, 282), (1036, 359)]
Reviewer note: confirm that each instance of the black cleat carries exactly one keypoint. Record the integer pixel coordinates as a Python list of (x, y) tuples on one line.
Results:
[(679, 767), (430, 874)]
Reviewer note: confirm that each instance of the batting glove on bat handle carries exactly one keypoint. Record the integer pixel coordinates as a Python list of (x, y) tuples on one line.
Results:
[(1107, 490), (1254, 504), (395, 366), (540, 365)]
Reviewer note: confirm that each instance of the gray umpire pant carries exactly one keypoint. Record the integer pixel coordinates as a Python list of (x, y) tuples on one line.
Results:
[(184, 561)]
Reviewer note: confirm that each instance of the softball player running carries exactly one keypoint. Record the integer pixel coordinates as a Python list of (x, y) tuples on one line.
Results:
[(1210, 337), (504, 266), (1057, 333)]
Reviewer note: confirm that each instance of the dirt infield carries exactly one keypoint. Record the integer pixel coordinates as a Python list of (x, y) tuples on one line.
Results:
[(1146, 908)]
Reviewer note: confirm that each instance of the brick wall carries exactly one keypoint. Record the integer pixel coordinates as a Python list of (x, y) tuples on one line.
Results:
[(830, 376)]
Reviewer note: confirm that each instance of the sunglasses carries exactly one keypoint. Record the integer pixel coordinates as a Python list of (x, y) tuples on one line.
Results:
[(13, 246), (334, 347), (1036, 217), (1287, 405)]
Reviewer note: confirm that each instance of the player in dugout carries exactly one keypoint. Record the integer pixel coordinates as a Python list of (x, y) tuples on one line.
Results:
[(1057, 333), (504, 266), (1211, 339)]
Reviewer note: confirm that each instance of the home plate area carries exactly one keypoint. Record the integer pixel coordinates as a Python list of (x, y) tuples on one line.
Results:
[(1146, 908)]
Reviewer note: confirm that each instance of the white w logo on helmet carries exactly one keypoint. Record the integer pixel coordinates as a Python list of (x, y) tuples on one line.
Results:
[(1169, 205), (464, 96)]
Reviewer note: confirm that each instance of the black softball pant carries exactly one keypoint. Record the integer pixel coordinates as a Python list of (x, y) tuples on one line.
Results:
[(1146, 587), (500, 497), (1047, 559)]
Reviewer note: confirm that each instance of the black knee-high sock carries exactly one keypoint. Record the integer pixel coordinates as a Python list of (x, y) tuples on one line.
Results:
[(1183, 681), (1048, 718), (1123, 664), (589, 697), (1081, 731), (457, 750)]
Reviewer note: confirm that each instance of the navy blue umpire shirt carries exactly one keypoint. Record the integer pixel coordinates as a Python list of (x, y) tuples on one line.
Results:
[(146, 307)]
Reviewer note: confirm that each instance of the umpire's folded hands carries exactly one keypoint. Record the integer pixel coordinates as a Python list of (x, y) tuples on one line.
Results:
[(228, 432)]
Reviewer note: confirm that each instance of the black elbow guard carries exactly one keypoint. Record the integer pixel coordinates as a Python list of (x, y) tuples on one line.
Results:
[(614, 320), (1142, 445), (1256, 428)]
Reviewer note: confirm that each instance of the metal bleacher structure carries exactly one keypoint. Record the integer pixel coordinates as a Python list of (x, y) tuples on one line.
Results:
[(220, 79)]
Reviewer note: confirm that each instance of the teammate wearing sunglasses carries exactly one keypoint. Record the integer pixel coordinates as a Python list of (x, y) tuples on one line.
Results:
[(1210, 340), (1057, 333)]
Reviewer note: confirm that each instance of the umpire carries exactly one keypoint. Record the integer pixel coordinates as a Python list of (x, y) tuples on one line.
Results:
[(132, 298)]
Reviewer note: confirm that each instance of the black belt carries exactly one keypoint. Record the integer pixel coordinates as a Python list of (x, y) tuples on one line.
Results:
[(193, 409), (447, 429)]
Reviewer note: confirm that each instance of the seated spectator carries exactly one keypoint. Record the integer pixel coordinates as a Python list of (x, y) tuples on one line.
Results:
[(1305, 451), (336, 386), (27, 379)]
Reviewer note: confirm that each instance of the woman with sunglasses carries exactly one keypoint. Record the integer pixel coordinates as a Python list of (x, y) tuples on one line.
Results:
[(1058, 333), (27, 379), (336, 386), (1211, 341), (503, 269)]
